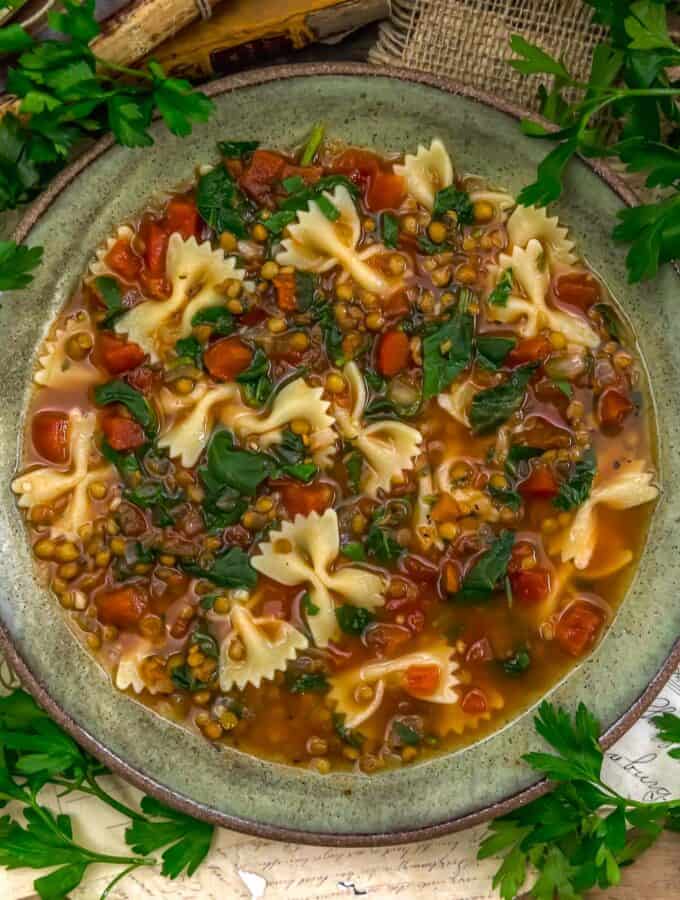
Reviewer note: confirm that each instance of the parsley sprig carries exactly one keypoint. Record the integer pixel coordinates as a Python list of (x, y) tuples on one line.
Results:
[(36, 753), (66, 93), (624, 110), (582, 833)]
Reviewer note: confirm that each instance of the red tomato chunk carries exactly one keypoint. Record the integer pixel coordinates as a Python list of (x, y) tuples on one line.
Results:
[(123, 434), (578, 627), (227, 358), (119, 355), (122, 607), (393, 353), (50, 435)]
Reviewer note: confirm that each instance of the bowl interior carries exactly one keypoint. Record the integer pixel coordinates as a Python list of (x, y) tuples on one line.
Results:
[(390, 114)]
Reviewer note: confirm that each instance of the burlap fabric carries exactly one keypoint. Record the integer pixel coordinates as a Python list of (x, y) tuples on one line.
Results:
[(468, 40)]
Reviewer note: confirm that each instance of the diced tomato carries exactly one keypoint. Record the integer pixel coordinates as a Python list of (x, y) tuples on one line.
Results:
[(397, 304), (385, 191), (578, 289), (578, 627), (474, 702), (155, 247), (613, 407), (117, 354), (122, 607), (530, 586), (265, 168), (50, 435), (141, 379), (394, 352), (285, 292), (480, 651), (540, 483), (359, 165), (227, 358), (420, 569), (533, 349), (421, 680), (521, 550), (309, 174), (123, 434), (123, 261), (303, 499), (182, 216)]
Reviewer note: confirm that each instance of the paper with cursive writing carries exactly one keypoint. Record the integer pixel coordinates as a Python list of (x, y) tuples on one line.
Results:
[(245, 868)]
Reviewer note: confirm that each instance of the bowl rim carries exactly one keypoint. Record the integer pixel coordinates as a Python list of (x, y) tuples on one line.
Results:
[(36, 687)]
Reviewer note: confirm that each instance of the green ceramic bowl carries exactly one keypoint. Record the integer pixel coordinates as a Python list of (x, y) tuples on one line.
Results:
[(389, 111)]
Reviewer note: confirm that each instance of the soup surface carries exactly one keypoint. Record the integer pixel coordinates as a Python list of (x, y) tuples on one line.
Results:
[(338, 459)]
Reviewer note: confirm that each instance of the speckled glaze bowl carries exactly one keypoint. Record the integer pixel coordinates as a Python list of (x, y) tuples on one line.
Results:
[(388, 110)]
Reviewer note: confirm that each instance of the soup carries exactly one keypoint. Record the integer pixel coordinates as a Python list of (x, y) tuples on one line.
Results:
[(341, 463)]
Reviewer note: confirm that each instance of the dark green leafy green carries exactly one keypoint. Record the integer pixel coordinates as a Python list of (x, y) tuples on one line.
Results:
[(293, 183), (389, 229), (305, 288), (308, 606), (432, 248), (190, 349), (506, 497), (187, 840), (668, 729), (611, 323), (354, 550), (354, 464), (231, 569), (237, 149), (576, 489), (447, 348), (126, 463), (221, 204), (327, 207), (134, 401), (450, 199), (493, 406), (109, 292), (487, 571), (349, 736), (257, 385), (17, 263), (381, 545), (152, 495), (407, 736), (290, 455), (217, 317), (519, 454), (290, 205), (492, 350), (353, 619), (227, 465), (308, 683), (519, 662), (500, 295)]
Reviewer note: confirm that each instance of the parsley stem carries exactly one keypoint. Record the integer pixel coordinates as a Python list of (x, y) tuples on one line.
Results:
[(123, 70), (96, 790), (119, 877)]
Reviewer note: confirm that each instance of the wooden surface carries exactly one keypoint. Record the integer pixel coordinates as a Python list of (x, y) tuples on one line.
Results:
[(656, 876)]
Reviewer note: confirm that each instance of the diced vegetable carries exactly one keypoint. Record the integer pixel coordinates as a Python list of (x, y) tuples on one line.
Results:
[(265, 168), (119, 355), (155, 246), (385, 191), (529, 350), (393, 353), (122, 433), (50, 435), (613, 407), (474, 702), (304, 499), (285, 292), (578, 627), (122, 607), (421, 680), (578, 289), (530, 586), (540, 483), (182, 216), (227, 358), (123, 261)]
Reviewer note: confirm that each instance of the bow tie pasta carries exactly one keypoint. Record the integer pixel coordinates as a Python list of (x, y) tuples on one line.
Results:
[(533, 223), (65, 364), (428, 171)]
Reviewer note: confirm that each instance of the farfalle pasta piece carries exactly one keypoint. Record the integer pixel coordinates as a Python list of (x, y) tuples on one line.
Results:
[(454, 718), (196, 273), (130, 674), (388, 447), (625, 489), (533, 223), (266, 646), (303, 552), (297, 400), (317, 244), (99, 266), (358, 707), (48, 484), (457, 401), (532, 311), (500, 200), (427, 171), (207, 404), (56, 369)]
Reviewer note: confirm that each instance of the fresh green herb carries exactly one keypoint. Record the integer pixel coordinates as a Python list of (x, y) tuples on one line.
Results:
[(183, 677), (429, 247), (305, 289), (668, 728), (506, 497), (611, 323), (451, 199), (16, 262), (492, 407), (237, 149), (389, 229), (354, 464), (583, 832), (191, 349), (136, 403), (301, 199), (566, 387), (447, 349), (381, 545), (152, 495), (332, 336), (221, 204), (353, 619), (293, 184), (329, 209), (109, 292), (309, 607), (406, 735), (290, 455), (309, 683), (208, 600), (623, 110), (312, 145), (487, 570), (384, 408), (518, 454), (279, 220), (232, 569), (354, 550), (517, 663), (348, 735), (492, 350), (206, 642), (37, 755), (257, 385), (126, 463), (500, 295), (217, 317), (576, 489), (226, 465), (376, 382)]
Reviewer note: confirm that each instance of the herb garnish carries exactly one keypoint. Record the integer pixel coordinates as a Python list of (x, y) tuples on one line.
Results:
[(389, 229), (500, 294), (257, 385), (353, 619), (518, 454), (109, 292), (350, 737), (487, 570), (307, 683), (406, 735), (576, 489), (506, 497), (217, 317), (492, 407), (492, 350), (231, 569), (136, 403), (152, 495), (16, 262), (447, 349), (517, 663), (221, 204), (451, 199), (237, 149)]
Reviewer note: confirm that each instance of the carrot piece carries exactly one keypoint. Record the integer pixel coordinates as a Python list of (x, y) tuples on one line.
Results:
[(578, 289), (303, 499), (533, 349), (530, 586), (613, 407), (285, 292), (265, 168), (182, 216), (122, 259), (122, 607), (117, 354), (50, 435), (156, 245), (394, 352), (474, 702), (385, 191), (123, 434), (421, 680), (227, 358), (540, 483), (578, 627), (445, 509)]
